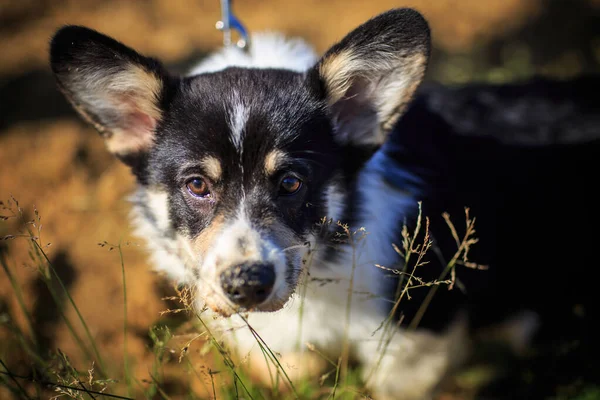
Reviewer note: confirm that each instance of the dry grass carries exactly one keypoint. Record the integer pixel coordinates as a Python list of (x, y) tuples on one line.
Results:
[(190, 353)]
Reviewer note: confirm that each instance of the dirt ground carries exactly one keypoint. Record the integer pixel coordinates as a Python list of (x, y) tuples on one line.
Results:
[(51, 161)]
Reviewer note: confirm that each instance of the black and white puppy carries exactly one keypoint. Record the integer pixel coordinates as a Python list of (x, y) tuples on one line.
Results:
[(242, 164)]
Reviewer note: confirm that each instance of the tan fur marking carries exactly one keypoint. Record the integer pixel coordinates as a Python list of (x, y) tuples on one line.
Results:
[(413, 68), (123, 142), (147, 87), (212, 167), (206, 239), (134, 90), (384, 85), (274, 160), (337, 71)]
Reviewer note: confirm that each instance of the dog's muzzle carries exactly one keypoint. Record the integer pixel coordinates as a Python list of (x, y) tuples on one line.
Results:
[(249, 284)]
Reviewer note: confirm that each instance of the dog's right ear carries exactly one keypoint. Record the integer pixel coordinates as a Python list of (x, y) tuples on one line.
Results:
[(111, 86), (370, 76)]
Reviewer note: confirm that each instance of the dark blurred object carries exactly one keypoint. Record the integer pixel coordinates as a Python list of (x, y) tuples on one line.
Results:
[(31, 97), (524, 158), (562, 40)]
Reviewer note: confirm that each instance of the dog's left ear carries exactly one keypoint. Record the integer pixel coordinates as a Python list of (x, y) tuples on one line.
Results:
[(114, 88), (369, 77)]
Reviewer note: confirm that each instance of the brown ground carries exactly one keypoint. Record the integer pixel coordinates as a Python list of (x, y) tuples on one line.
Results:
[(50, 160)]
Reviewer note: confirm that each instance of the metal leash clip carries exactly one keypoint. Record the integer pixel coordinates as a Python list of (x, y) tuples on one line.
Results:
[(228, 22)]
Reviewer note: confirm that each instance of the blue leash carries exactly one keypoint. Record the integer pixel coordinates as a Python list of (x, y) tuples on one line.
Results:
[(230, 22)]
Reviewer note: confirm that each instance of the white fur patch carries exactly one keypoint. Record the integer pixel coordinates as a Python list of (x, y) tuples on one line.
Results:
[(267, 50), (335, 199), (238, 116), (169, 255), (158, 204)]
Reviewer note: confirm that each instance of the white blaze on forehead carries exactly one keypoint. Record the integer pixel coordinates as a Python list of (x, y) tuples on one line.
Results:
[(238, 117)]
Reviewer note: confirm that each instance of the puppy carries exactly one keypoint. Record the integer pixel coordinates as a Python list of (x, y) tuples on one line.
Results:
[(263, 185)]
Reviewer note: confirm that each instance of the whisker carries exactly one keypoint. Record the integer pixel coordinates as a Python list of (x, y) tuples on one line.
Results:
[(297, 246)]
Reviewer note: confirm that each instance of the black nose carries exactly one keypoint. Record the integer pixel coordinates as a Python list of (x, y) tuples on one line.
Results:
[(248, 284)]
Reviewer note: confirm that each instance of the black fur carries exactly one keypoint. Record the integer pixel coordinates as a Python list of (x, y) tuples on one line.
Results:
[(78, 45), (287, 111), (395, 29), (282, 114)]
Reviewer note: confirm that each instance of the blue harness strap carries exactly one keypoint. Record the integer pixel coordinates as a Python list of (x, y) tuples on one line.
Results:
[(408, 178)]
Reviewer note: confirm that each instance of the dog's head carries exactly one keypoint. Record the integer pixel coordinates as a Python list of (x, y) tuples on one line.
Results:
[(239, 164)]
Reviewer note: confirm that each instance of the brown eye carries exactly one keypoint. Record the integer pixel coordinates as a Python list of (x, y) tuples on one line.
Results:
[(198, 187), (290, 185)]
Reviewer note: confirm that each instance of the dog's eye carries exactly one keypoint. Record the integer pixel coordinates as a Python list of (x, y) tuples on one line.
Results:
[(198, 187), (290, 185)]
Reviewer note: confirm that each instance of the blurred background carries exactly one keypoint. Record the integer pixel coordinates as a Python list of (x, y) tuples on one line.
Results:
[(53, 163)]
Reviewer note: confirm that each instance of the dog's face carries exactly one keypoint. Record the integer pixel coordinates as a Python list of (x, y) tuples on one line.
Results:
[(242, 162), (238, 165)]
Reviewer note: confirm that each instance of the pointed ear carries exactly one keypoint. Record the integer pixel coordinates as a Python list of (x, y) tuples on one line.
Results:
[(369, 77), (111, 86)]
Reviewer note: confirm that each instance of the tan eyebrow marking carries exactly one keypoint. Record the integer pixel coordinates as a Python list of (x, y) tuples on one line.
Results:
[(212, 167), (273, 161)]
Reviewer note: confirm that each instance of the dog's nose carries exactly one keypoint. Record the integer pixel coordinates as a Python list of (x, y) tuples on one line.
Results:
[(248, 284)]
